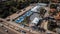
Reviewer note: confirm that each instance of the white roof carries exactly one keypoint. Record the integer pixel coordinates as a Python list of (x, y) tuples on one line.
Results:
[(41, 4), (36, 20), (38, 6), (35, 8)]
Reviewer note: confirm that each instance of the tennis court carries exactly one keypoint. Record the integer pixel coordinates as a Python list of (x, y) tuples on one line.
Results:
[(20, 19)]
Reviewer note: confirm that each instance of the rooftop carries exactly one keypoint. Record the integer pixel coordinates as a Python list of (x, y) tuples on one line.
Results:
[(35, 21)]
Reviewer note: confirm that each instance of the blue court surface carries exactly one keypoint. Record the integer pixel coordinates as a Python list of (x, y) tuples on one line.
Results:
[(28, 13), (20, 19)]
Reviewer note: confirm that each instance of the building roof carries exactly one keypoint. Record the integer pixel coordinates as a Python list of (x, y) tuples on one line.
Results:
[(36, 20), (35, 9), (38, 6), (42, 4)]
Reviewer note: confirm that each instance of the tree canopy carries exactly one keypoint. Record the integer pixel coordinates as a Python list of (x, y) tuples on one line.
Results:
[(9, 7)]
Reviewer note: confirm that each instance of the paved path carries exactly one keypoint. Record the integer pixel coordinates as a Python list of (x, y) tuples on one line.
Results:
[(10, 31)]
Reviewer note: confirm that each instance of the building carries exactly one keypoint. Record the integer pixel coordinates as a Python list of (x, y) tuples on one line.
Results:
[(38, 7), (35, 21), (35, 9)]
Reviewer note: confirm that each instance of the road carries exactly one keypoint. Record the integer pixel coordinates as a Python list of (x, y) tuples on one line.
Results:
[(15, 26), (10, 31), (47, 13)]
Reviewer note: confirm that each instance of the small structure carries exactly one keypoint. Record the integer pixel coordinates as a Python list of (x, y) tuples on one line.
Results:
[(35, 21)]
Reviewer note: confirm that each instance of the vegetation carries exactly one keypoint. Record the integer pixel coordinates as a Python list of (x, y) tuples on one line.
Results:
[(52, 25), (9, 7), (42, 12), (26, 20)]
